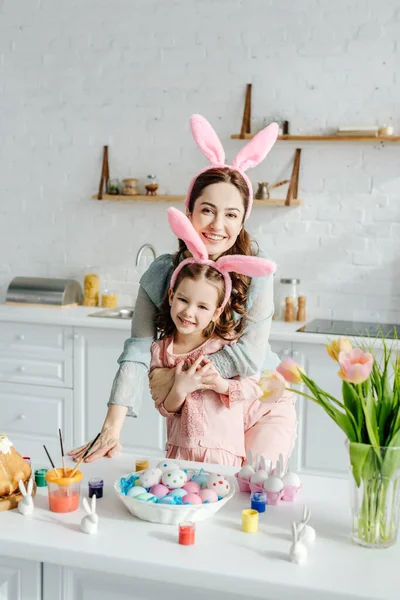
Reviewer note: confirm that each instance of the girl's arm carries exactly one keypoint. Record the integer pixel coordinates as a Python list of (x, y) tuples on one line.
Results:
[(240, 389), (251, 353)]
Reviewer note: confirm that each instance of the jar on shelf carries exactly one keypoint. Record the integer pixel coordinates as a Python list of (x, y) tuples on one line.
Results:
[(108, 298), (151, 185), (130, 187), (288, 287), (91, 289), (113, 186)]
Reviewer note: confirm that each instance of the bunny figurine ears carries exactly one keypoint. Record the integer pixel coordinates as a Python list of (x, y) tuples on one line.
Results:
[(250, 156), (238, 263)]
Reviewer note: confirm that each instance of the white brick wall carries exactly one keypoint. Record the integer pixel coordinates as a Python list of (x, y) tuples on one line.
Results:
[(80, 74)]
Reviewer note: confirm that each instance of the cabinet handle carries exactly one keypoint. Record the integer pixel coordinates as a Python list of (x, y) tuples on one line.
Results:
[(21, 337), (21, 369), (296, 354), (75, 336), (21, 417), (285, 352)]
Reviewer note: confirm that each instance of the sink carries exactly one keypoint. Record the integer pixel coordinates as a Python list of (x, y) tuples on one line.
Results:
[(124, 312)]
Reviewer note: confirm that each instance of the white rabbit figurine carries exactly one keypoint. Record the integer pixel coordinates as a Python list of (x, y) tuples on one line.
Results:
[(307, 532), (25, 506), (298, 551), (90, 522)]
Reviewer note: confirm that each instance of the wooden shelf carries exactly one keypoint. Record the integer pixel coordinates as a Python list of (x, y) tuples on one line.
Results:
[(141, 198), (325, 138), (280, 202)]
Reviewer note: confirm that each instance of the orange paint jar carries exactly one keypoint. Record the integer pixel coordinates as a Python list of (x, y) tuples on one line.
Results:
[(64, 492)]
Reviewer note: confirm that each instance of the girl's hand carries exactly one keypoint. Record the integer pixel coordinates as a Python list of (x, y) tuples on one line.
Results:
[(161, 381), (221, 384), (107, 444), (196, 377)]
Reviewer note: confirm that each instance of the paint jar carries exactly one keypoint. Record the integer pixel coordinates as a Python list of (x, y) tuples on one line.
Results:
[(40, 477), (96, 486), (28, 460), (187, 532), (258, 501), (250, 520), (64, 492), (141, 465)]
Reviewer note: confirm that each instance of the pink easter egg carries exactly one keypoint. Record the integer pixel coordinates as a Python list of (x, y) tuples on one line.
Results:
[(208, 496), (192, 487), (191, 499), (159, 490)]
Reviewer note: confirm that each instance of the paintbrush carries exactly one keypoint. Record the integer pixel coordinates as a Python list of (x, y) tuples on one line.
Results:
[(88, 449), (51, 462), (62, 452)]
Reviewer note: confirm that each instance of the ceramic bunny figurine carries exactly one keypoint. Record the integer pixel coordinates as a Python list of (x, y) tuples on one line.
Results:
[(89, 523), (25, 506), (298, 551), (307, 532)]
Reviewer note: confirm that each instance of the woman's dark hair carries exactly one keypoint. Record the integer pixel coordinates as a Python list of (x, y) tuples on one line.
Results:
[(225, 326), (243, 244)]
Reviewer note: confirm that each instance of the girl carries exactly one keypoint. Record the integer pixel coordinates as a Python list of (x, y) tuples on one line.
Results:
[(205, 412), (218, 203)]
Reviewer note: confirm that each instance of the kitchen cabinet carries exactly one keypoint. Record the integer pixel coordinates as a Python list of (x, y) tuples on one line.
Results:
[(20, 579), (95, 364)]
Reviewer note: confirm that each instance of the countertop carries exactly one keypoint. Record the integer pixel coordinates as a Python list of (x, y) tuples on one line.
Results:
[(78, 317), (224, 558)]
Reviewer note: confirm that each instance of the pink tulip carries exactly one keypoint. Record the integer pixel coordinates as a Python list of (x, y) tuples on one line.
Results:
[(290, 370), (273, 385), (356, 365)]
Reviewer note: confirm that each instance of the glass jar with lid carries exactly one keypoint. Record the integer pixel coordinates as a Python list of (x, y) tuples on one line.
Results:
[(288, 286)]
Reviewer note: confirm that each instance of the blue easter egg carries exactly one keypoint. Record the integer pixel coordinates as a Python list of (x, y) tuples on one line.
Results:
[(135, 491), (178, 493)]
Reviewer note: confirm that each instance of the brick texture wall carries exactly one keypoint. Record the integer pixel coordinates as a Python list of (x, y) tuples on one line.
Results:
[(80, 74)]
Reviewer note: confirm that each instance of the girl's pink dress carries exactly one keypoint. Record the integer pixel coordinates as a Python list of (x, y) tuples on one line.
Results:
[(210, 427)]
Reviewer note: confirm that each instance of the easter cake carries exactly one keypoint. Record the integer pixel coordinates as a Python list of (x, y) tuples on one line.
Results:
[(13, 468)]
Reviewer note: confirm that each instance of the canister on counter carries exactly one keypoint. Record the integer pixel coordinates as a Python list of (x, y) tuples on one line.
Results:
[(91, 289)]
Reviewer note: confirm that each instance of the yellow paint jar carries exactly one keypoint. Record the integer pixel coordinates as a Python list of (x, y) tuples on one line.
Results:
[(250, 520)]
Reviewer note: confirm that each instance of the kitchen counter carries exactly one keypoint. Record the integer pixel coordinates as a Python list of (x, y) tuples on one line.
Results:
[(78, 317), (224, 559)]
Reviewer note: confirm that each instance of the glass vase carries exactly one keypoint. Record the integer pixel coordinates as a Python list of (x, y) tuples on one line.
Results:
[(375, 494)]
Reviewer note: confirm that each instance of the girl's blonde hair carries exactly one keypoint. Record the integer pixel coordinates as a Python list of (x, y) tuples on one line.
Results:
[(225, 326)]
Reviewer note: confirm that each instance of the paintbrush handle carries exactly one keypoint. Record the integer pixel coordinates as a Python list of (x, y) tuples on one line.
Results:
[(85, 454)]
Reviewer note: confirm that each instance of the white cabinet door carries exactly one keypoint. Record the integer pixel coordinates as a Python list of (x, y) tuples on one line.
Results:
[(282, 349), (321, 448), (20, 579), (95, 364), (32, 415)]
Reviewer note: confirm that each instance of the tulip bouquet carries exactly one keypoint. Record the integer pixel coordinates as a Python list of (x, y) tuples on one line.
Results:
[(369, 415)]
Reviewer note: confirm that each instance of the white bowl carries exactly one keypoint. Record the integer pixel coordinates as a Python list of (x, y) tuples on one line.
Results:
[(172, 514)]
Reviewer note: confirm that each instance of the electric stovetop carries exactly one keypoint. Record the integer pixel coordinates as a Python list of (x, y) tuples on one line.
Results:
[(352, 328)]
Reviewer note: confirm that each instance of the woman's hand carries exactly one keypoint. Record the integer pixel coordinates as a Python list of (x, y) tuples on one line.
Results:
[(108, 443), (161, 381)]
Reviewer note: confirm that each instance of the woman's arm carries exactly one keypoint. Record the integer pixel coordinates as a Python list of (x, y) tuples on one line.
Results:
[(251, 353)]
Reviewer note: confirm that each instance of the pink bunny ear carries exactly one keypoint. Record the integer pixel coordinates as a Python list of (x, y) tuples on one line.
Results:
[(256, 150), (185, 231), (252, 266), (207, 139)]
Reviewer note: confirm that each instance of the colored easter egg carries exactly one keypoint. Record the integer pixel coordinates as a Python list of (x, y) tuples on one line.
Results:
[(150, 477), (192, 499), (146, 497), (174, 479), (208, 496), (192, 487), (159, 490), (167, 500), (136, 490), (201, 479), (219, 484), (167, 465), (178, 493)]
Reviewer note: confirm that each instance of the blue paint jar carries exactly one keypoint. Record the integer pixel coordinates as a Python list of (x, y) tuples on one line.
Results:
[(258, 501), (96, 487)]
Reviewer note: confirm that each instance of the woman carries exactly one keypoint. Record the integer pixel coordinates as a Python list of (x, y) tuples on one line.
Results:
[(219, 201)]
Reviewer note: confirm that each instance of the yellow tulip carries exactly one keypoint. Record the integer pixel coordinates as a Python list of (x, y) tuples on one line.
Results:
[(337, 346)]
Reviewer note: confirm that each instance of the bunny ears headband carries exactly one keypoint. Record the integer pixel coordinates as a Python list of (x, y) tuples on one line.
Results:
[(245, 265), (250, 156)]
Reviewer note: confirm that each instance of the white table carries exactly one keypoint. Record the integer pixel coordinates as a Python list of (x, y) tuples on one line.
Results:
[(128, 554)]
